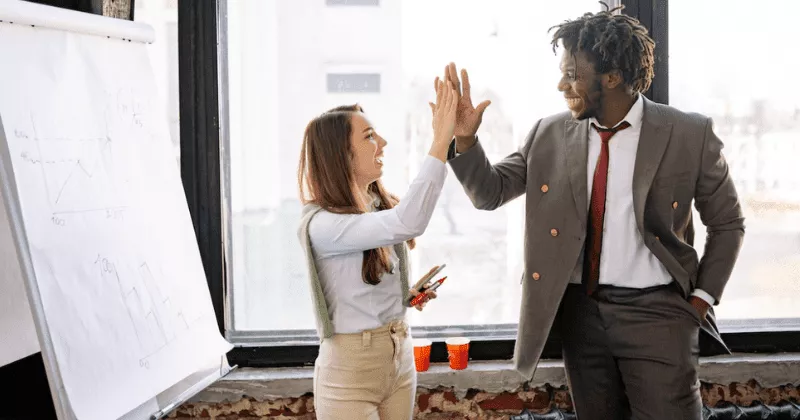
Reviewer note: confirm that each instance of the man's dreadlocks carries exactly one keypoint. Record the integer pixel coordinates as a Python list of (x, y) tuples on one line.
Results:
[(612, 42)]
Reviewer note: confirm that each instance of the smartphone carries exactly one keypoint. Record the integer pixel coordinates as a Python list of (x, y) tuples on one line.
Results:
[(422, 284)]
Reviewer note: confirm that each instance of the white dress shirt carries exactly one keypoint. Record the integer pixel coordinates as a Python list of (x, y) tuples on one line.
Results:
[(625, 261), (338, 242)]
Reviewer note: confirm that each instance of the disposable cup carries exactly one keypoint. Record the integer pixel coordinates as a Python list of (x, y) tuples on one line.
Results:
[(458, 352), (422, 354)]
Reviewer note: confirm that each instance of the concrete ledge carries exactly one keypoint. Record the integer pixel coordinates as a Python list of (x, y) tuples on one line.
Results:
[(495, 377)]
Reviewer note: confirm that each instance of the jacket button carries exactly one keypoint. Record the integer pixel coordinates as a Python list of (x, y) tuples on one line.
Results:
[(545, 188), (554, 232), (657, 238), (535, 276), (674, 204)]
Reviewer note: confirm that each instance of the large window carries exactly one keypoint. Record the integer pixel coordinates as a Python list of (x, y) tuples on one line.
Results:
[(162, 16), (723, 67), (289, 61), (251, 80)]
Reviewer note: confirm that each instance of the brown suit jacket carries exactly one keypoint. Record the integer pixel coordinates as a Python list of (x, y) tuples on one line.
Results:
[(678, 161)]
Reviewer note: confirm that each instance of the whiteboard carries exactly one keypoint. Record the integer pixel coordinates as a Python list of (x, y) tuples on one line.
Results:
[(17, 332), (99, 215)]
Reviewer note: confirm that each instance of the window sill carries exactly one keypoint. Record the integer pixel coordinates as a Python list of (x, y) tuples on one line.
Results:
[(264, 384)]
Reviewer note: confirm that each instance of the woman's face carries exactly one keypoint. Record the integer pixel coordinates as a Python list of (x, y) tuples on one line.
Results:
[(367, 150)]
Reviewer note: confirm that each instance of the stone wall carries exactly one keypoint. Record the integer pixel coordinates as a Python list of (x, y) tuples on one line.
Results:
[(444, 403)]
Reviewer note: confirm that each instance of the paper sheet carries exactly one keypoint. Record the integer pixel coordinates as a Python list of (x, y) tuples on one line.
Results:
[(122, 286)]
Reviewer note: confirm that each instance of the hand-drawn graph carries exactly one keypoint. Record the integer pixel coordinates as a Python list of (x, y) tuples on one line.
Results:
[(84, 166), (78, 172), (155, 319)]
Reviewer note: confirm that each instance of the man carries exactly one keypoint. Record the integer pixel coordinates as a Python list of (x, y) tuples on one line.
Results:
[(609, 261)]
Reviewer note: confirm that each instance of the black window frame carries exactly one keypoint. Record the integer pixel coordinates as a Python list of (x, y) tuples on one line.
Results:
[(201, 128)]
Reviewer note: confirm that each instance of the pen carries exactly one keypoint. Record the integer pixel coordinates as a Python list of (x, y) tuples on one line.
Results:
[(420, 297)]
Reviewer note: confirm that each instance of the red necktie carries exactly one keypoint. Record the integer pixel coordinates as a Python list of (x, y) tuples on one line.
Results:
[(594, 234)]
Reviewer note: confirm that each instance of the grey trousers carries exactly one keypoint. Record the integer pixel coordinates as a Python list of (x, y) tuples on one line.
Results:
[(631, 353)]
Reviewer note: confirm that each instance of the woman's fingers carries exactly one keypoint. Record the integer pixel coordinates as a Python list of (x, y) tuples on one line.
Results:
[(453, 105)]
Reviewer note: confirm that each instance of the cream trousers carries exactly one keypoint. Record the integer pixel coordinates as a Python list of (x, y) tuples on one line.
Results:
[(368, 375)]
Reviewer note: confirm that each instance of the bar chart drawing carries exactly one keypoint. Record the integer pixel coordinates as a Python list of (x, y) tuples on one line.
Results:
[(155, 319)]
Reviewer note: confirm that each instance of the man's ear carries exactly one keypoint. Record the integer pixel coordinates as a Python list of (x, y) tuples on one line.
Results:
[(613, 79)]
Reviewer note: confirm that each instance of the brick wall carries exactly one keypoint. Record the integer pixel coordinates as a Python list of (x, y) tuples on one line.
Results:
[(443, 403)]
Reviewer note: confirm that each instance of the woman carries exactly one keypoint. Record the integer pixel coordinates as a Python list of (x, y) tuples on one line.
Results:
[(355, 235)]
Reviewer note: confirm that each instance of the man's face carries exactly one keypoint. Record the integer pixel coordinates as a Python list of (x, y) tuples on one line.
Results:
[(580, 85)]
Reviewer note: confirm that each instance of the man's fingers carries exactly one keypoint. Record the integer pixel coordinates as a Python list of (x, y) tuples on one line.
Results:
[(482, 106), (465, 83)]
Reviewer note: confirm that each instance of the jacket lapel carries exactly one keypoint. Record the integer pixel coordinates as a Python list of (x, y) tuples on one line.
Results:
[(576, 140), (653, 142)]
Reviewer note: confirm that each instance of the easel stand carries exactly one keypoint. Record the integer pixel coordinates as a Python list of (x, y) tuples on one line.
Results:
[(204, 383)]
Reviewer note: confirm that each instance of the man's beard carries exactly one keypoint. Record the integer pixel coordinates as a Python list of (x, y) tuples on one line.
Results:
[(592, 103)]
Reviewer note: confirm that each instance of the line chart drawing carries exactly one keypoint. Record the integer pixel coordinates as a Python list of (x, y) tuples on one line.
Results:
[(85, 171), (78, 172)]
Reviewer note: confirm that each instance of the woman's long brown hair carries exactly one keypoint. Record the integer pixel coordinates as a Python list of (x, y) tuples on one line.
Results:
[(325, 178)]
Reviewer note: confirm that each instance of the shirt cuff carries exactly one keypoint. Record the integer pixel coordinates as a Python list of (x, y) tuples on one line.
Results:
[(702, 294), (432, 168), (453, 152)]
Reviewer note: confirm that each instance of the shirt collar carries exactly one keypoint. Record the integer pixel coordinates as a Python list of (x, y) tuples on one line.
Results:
[(633, 117)]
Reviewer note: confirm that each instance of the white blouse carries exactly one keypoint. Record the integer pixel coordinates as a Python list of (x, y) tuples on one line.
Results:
[(338, 242)]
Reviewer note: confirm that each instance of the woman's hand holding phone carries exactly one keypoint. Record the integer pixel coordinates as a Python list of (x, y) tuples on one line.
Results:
[(430, 294), (425, 281)]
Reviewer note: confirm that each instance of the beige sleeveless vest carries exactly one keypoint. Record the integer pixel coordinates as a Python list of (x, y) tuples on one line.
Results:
[(323, 318)]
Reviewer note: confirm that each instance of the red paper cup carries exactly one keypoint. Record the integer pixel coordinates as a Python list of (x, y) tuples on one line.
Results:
[(458, 352), (422, 354)]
